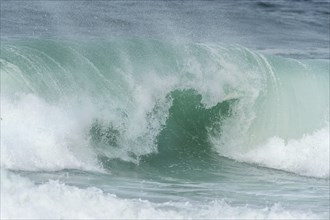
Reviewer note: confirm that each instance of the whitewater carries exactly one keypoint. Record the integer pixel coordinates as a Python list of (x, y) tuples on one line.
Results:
[(107, 113)]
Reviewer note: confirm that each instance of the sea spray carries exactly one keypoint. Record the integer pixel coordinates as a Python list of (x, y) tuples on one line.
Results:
[(121, 97)]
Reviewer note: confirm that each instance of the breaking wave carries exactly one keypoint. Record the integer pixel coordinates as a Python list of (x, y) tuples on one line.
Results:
[(73, 105)]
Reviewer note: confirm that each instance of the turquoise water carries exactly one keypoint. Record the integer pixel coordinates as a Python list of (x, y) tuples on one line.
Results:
[(104, 122)]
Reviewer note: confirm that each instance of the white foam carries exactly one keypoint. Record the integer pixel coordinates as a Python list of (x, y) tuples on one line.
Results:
[(306, 156), (36, 135), (22, 199)]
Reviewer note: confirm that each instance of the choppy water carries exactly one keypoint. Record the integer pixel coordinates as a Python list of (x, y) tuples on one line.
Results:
[(165, 109)]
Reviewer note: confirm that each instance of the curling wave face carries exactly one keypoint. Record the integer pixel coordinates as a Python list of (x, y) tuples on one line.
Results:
[(158, 104)]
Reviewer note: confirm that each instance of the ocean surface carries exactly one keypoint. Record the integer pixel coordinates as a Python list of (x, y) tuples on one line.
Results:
[(165, 109)]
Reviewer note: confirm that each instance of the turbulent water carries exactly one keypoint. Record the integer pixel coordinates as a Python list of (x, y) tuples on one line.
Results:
[(165, 109)]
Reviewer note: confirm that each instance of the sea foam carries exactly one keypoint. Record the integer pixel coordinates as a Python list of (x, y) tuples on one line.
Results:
[(55, 200)]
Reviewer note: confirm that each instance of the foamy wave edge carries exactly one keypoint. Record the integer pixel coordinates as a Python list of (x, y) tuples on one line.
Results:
[(55, 200)]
